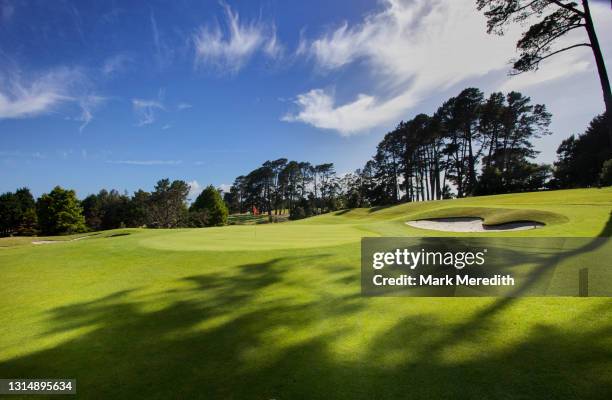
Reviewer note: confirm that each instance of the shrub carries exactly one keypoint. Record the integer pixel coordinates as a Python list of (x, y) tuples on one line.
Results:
[(605, 177)]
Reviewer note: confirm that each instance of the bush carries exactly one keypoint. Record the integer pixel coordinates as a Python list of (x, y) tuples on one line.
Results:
[(198, 219), (605, 177), (297, 213), (210, 202), (59, 212)]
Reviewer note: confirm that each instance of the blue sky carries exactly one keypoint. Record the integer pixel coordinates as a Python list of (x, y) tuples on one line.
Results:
[(120, 94)]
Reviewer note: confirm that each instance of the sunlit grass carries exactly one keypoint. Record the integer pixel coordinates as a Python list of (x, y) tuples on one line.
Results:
[(275, 311)]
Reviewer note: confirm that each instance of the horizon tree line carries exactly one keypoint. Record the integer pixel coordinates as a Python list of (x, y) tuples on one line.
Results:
[(470, 146)]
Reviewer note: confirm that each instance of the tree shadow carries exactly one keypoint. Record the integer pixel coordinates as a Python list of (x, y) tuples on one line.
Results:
[(607, 230), (241, 336), (380, 208)]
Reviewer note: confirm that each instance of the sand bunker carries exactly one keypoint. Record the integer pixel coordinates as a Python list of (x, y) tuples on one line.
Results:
[(470, 224), (58, 241)]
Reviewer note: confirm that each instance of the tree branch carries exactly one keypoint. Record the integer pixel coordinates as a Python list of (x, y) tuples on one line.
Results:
[(567, 7), (555, 36), (540, 59)]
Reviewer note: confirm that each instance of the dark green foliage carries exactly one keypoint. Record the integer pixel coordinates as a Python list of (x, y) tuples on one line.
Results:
[(480, 146), (605, 178), (281, 185), (198, 219), (581, 158), (138, 209), (106, 210), (297, 213), (59, 212), (209, 209), (17, 213), (168, 204)]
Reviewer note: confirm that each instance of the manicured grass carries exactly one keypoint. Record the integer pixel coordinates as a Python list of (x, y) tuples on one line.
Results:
[(274, 311), (250, 219)]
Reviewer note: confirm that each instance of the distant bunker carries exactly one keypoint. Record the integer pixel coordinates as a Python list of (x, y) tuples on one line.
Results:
[(471, 224)]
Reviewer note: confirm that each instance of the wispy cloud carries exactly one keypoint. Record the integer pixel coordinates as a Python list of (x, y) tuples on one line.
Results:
[(21, 97), (145, 109), (146, 162), (231, 48), (21, 154), (183, 106), (88, 105), (411, 50), (163, 52)]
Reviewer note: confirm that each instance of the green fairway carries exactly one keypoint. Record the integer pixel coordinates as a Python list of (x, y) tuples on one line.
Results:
[(274, 311)]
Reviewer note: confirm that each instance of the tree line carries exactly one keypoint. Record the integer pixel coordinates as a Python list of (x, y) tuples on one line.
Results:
[(280, 185), (60, 212), (472, 145)]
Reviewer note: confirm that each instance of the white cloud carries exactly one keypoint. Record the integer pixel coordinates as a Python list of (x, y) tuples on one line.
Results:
[(40, 95), (88, 105), (230, 49), (184, 106), (145, 109), (147, 162), (317, 108), (35, 95), (411, 50), (225, 187), (194, 189)]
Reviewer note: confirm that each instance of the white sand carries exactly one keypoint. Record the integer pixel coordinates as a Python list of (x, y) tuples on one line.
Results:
[(58, 241), (469, 224)]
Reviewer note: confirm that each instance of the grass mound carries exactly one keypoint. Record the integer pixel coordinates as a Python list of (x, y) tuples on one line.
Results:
[(496, 216)]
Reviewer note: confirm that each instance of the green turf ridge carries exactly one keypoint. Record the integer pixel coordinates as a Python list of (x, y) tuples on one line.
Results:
[(496, 216), (274, 311)]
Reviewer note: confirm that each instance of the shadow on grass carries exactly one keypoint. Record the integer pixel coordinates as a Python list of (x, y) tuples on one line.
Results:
[(342, 212), (118, 234), (607, 230), (234, 337), (379, 208)]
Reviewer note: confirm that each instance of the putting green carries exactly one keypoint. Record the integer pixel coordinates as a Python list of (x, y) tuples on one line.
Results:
[(254, 237)]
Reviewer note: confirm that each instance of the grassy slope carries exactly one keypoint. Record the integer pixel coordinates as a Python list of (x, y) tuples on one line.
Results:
[(274, 311)]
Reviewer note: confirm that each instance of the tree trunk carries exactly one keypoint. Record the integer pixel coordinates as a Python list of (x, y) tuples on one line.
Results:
[(601, 66)]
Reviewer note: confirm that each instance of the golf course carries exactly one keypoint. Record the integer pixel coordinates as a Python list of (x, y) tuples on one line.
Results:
[(274, 311)]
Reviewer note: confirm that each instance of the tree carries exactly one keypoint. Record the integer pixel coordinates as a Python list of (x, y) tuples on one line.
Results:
[(605, 177), (236, 197), (327, 185), (59, 212), (168, 203), (92, 211), (555, 19), (210, 203), (8, 211), (17, 213), (106, 210), (580, 158), (138, 210)]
